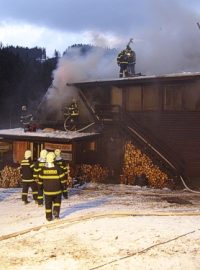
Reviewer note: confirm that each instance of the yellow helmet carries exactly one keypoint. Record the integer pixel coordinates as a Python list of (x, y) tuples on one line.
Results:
[(50, 157), (43, 153), (57, 152), (27, 154)]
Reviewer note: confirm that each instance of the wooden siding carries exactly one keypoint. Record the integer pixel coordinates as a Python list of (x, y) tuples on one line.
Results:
[(179, 131), (19, 147)]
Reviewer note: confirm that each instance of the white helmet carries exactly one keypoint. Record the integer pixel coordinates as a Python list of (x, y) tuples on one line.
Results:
[(50, 157), (27, 154), (43, 153), (57, 152)]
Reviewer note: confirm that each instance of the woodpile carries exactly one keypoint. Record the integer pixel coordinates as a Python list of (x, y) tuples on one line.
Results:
[(93, 173), (10, 177), (136, 164)]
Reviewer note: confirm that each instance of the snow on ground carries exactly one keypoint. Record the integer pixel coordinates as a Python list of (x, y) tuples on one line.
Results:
[(102, 227)]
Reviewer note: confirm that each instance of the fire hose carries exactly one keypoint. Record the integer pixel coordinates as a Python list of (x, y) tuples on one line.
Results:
[(186, 187), (91, 124), (82, 218)]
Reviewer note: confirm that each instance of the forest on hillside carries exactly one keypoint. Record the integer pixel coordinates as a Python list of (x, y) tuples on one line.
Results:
[(25, 75)]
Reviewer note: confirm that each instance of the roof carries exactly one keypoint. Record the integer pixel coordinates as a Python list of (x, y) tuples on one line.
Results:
[(137, 79), (45, 136)]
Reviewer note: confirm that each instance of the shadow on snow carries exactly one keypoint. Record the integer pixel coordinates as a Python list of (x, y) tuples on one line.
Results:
[(85, 205)]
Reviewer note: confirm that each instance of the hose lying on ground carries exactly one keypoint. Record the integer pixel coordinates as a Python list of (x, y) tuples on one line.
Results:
[(74, 220), (186, 187)]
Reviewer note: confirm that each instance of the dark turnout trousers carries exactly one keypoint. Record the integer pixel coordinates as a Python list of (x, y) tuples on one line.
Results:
[(52, 206), (123, 70), (26, 184)]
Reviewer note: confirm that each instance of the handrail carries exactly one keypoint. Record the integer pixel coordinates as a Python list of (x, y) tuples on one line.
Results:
[(154, 148), (180, 176), (89, 106), (165, 150), (108, 109), (151, 146)]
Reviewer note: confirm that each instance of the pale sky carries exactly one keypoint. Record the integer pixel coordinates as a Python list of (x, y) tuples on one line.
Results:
[(111, 23)]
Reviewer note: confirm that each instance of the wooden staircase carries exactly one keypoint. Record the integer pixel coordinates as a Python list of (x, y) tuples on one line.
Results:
[(178, 132)]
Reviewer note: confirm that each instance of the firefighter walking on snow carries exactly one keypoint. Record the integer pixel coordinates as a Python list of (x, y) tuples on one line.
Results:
[(65, 167), (39, 164), (52, 183), (26, 169)]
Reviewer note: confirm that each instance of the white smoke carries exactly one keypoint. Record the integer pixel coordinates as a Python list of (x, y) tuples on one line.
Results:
[(76, 67), (170, 44)]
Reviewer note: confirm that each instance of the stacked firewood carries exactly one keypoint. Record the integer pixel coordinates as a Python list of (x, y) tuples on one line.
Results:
[(10, 177), (136, 164), (94, 173)]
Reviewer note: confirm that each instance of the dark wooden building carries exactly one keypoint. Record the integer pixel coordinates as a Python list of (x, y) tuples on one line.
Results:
[(160, 114)]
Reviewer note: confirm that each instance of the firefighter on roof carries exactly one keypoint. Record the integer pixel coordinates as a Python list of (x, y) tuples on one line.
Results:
[(65, 167), (122, 61), (131, 60), (39, 164), (26, 169), (26, 119), (126, 60), (52, 183), (72, 109), (71, 115)]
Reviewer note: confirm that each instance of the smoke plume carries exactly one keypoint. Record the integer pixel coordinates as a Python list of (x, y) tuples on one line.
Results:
[(170, 44), (96, 64)]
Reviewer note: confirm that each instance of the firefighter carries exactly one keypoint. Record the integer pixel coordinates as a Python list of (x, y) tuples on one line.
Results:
[(65, 167), (131, 60), (52, 183), (26, 119), (39, 164), (122, 61), (71, 115), (73, 108), (26, 169)]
